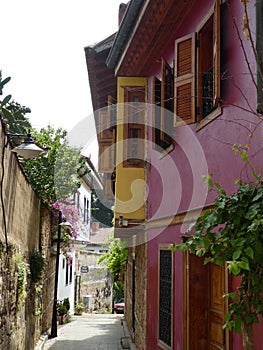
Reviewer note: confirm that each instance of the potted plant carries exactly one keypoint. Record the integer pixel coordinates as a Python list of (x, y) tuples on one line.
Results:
[(78, 309), (62, 311)]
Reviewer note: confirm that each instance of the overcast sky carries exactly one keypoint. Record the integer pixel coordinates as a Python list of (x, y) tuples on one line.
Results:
[(42, 50)]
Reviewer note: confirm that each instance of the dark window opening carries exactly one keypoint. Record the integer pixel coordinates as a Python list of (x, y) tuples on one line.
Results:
[(165, 297)]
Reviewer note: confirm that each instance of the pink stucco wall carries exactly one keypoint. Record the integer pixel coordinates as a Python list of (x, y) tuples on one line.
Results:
[(175, 181)]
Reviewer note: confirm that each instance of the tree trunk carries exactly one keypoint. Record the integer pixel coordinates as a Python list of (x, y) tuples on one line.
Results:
[(247, 332)]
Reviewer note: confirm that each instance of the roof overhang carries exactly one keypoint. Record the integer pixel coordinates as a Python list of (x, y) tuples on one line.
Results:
[(102, 79), (143, 34)]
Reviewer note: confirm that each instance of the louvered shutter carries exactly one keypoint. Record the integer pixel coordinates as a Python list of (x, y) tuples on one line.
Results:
[(105, 134), (184, 81), (108, 191), (106, 137), (106, 157), (216, 53), (134, 130)]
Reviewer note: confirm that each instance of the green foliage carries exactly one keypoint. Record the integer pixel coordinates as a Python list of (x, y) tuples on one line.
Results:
[(116, 258), (54, 174), (62, 310), (3, 82), (232, 233), (78, 308), (22, 273), (66, 303), (118, 290), (12, 112), (37, 265)]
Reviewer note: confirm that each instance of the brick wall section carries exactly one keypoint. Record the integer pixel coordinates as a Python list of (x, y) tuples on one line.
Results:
[(28, 226), (139, 336)]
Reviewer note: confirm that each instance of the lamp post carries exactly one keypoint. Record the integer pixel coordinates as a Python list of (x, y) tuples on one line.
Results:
[(26, 150), (54, 313)]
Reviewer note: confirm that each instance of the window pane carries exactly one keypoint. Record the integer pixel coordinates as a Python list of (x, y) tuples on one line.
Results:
[(165, 297)]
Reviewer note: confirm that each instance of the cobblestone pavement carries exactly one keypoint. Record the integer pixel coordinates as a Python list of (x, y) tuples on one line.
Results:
[(89, 332)]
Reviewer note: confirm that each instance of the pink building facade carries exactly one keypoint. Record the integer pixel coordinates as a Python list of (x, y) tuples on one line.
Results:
[(203, 96)]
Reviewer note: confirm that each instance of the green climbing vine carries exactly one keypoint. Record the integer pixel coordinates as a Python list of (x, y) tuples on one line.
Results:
[(231, 233), (37, 265), (22, 273)]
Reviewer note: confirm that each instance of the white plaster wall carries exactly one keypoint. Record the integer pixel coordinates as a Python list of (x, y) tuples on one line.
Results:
[(66, 290)]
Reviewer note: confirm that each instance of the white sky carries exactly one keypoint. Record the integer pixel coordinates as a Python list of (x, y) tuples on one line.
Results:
[(42, 50)]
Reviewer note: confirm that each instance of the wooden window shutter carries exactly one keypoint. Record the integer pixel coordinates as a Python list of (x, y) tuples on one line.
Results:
[(134, 127), (105, 133), (184, 81), (106, 157), (106, 137), (216, 52), (112, 112), (108, 192)]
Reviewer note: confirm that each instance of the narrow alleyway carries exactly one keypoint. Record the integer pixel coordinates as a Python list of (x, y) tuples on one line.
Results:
[(90, 332)]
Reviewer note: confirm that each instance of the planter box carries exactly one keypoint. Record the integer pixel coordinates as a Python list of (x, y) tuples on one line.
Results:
[(63, 318)]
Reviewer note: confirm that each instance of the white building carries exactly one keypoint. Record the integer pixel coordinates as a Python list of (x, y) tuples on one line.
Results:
[(82, 199)]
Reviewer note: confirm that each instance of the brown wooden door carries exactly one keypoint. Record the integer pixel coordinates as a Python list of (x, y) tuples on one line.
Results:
[(205, 307), (216, 308)]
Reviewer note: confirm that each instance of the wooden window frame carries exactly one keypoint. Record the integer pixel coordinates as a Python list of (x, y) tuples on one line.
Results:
[(156, 120), (130, 92), (167, 105), (187, 107), (161, 343)]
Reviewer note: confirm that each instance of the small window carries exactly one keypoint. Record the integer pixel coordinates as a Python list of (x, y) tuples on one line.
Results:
[(167, 104), (70, 272), (197, 71), (165, 330), (85, 208), (208, 79), (134, 124), (163, 100), (66, 273)]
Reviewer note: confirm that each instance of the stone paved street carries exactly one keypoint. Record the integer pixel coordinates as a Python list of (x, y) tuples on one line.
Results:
[(89, 332)]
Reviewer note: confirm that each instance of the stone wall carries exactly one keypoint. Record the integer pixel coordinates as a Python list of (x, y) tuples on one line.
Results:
[(27, 228), (137, 256), (97, 282)]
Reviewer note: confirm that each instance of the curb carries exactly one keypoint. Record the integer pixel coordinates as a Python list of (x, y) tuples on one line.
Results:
[(41, 342), (127, 336)]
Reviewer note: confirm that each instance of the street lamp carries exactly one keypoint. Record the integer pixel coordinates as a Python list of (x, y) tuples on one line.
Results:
[(64, 224), (26, 150)]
